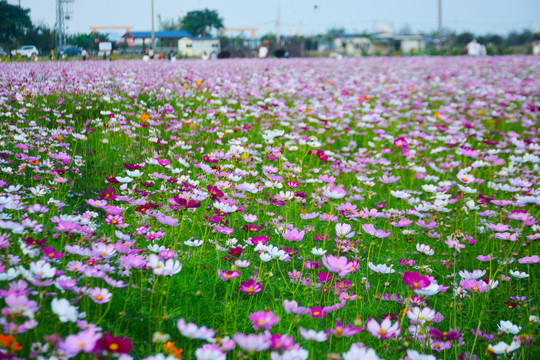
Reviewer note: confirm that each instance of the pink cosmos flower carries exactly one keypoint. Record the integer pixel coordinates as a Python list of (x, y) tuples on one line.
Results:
[(252, 342), (100, 295), (317, 312), (263, 320), (281, 342), (344, 230), (402, 223), (529, 259), (193, 331), (250, 287), (370, 229), (383, 331), (341, 330), (294, 235), (83, 341), (476, 286), (415, 281), (336, 264), (389, 180), (228, 275), (115, 220)]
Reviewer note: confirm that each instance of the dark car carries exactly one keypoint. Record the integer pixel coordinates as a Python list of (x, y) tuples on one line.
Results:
[(72, 51)]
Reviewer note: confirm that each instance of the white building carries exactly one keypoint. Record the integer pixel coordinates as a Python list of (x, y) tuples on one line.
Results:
[(195, 47)]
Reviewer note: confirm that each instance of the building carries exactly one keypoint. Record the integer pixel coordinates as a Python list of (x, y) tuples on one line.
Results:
[(352, 45), (176, 40), (196, 47), (380, 43)]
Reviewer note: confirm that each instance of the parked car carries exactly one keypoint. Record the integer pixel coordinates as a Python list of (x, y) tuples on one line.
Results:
[(72, 51), (27, 50)]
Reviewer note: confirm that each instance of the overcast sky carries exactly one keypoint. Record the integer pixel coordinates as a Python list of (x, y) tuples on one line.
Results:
[(308, 16)]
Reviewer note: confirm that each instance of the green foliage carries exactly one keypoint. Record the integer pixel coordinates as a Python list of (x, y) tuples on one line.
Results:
[(199, 22), (169, 24), (14, 22)]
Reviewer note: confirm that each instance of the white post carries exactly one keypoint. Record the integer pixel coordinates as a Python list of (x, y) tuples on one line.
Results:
[(153, 35)]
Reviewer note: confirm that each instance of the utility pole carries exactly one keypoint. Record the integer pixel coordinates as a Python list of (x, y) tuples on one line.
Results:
[(153, 34), (278, 36), (440, 22), (63, 13)]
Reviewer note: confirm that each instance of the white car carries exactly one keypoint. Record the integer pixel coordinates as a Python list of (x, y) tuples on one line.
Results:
[(27, 50)]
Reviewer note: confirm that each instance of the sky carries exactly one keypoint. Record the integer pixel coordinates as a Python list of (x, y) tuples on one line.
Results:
[(303, 16)]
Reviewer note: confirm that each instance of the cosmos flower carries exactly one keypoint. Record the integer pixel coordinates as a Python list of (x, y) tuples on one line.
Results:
[(385, 330), (250, 287)]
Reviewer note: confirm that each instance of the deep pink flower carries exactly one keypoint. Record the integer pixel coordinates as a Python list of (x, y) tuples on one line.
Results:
[(317, 312), (415, 281), (250, 287)]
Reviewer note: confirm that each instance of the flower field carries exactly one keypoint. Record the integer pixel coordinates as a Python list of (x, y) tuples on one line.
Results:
[(240, 209)]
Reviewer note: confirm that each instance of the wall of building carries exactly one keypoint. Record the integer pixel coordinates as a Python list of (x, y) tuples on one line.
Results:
[(196, 48)]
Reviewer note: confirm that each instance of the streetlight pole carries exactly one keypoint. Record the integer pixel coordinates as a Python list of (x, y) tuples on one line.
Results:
[(440, 22), (153, 35)]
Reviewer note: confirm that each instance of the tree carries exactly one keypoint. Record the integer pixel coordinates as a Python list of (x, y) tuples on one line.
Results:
[(464, 38), (41, 36), (199, 22), (169, 24), (14, 22)]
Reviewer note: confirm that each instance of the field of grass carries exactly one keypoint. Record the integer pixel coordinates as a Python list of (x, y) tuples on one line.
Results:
[(241, 209)]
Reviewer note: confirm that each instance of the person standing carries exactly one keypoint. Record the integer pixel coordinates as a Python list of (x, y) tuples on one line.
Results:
[(84, 55), (263, 52), (536, 47)]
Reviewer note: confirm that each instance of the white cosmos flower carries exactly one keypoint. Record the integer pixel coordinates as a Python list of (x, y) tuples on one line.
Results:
[(194, 243), (424, 249), (429, 188), (381, 268), (519, 274), (318, 252), (136, 173), (504, 348), (65, 311), (400, 194), (266, 257), (467, 189), (508, 328), (126, 179)]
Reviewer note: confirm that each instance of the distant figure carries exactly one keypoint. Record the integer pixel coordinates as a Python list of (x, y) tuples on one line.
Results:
[(84, 55), (213, 55), (205, 56), (536, 47), (52, 55), (263, 52), (151, 53), (474, 48), (171, 55)]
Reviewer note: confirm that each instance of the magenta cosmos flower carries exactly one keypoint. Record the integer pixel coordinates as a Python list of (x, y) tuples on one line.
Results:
[(263, 320), (415, 281), (250, 287), (228, 275)]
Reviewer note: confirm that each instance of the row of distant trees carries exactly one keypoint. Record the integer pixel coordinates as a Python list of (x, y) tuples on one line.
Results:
[(16, 29)]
